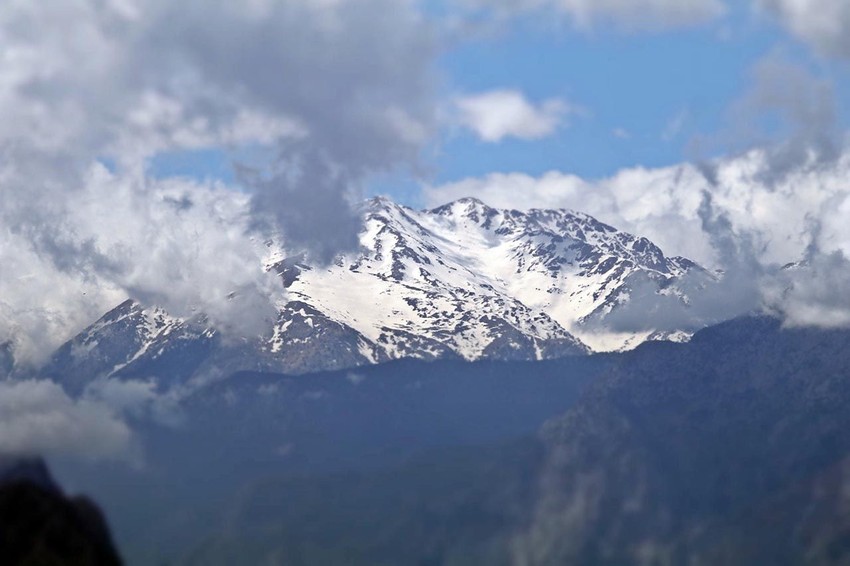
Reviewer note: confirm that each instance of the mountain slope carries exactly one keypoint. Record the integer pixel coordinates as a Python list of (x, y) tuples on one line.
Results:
[(460, 281), (252, 427), (731, 449)]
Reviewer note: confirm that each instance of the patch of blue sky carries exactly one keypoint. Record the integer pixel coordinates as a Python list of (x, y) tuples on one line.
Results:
[(210, 163), (645, 97)]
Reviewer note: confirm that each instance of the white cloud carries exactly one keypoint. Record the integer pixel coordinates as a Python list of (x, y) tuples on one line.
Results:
[(344, 87), (176, 243), (38, 418), (825, 24), (499, 114), (627, 15)]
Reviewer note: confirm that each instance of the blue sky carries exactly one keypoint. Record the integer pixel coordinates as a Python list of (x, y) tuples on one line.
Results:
[(648, 99)]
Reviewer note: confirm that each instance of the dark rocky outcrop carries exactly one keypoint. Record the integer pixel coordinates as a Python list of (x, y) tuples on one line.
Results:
[(40, 526)]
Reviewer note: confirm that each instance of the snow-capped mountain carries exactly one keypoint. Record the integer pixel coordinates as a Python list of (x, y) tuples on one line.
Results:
[(462, 280)]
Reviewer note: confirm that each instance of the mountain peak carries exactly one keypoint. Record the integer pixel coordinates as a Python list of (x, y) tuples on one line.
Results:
[(463, 280), (468, 207), (380, 201)]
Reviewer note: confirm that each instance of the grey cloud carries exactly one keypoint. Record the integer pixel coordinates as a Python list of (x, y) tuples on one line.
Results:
[(38, 418), (735, 249), (308, 199), (625, 15), (806, 107), (711, 298), (123, 236), (787, 114), (738, 288), (357, 75), (813, 292), (184, 259), (824, 24)]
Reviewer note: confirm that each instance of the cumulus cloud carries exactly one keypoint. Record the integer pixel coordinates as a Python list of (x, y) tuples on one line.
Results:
[(177, 244), (342, 89), (824, 24), (499, 114), (37, 418), (628, 15)]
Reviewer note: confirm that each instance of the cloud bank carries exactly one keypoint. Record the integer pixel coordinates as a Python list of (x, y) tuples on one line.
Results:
[(93, 90)]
